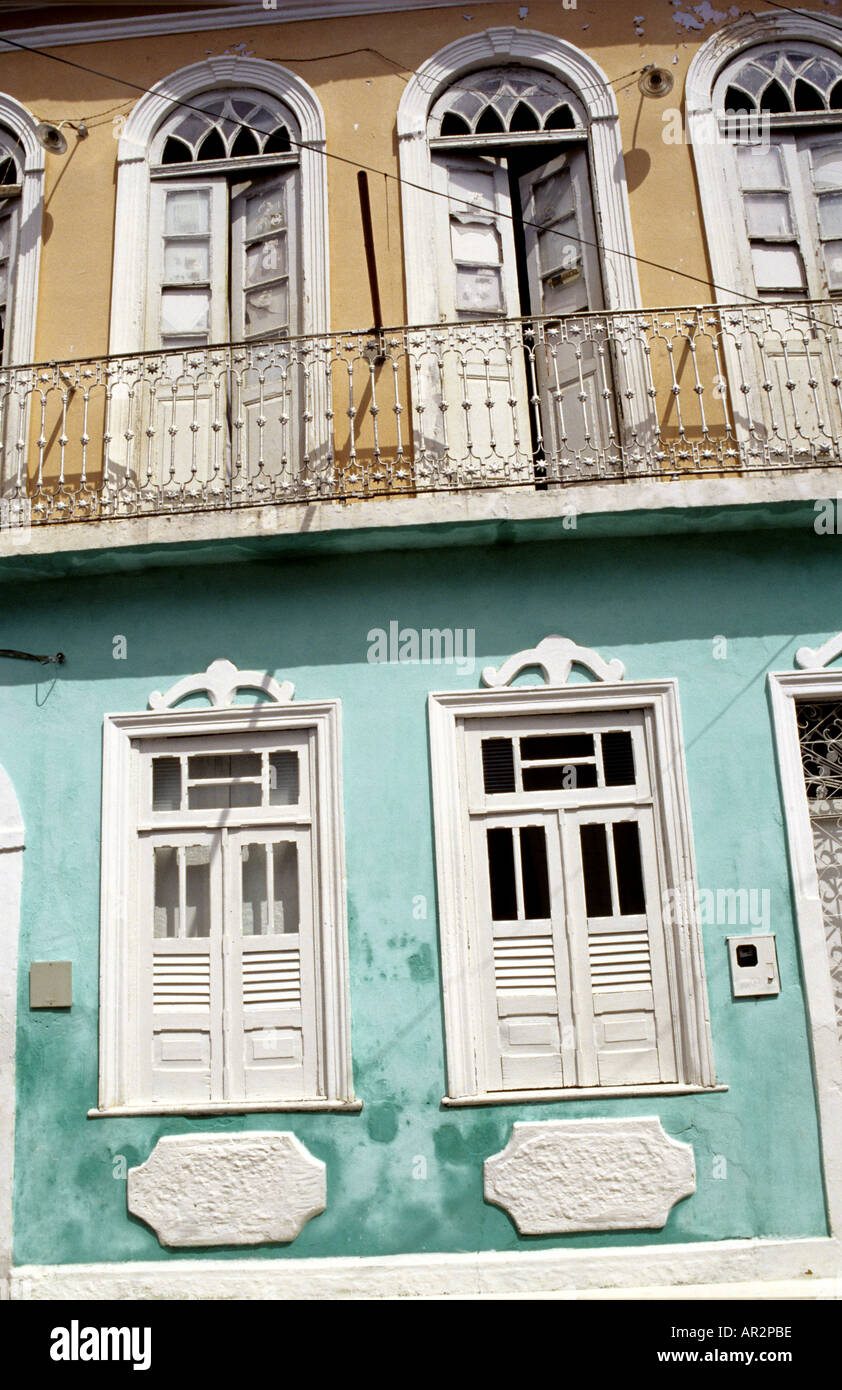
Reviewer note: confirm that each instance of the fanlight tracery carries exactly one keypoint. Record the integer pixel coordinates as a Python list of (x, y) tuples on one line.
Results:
[(498, 101), (231, 125), (778, 81)]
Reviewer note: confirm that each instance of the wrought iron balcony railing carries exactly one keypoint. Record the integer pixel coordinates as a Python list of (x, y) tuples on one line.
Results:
[(505, 403)]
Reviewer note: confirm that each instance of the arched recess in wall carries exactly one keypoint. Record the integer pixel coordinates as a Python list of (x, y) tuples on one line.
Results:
[(21, 218), (750, 255), (594, 100), (136, 154), (11, 873)]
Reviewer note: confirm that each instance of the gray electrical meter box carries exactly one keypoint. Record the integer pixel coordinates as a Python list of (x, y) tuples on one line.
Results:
[(50, 984), (754, 966)]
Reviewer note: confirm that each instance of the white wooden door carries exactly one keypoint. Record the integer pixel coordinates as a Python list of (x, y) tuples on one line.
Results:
[(267, 396), (562, 257), (270, 964), (187, 307), (476, 403)]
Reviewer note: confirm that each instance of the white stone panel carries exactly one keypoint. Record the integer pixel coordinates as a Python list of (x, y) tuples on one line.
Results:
[(227, 1189), (556, 1176)]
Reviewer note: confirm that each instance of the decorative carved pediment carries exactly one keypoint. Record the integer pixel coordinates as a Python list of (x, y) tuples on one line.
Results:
[(555, 656), (221, 682)]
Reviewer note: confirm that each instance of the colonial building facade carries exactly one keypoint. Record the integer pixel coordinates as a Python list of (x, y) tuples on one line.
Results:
[(421, 740)]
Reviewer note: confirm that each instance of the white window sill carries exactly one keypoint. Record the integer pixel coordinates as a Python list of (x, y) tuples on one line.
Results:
[(578, 1093), (224, 1107)]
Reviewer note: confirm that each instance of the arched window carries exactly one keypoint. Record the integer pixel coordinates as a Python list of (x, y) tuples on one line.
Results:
[(224, 221), (221, 223), (12, 162), (787, 166), (515, 134)]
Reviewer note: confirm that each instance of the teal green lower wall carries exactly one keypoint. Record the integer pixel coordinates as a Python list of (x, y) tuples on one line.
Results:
[(406, 1174)]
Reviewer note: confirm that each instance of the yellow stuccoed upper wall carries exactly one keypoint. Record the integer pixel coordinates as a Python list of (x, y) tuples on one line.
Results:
[(359, 92)]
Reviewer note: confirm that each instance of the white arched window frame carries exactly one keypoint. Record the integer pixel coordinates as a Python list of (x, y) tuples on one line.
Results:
[(713, 145), (19, 347), (135, 160), (589, 85), (595, 127)]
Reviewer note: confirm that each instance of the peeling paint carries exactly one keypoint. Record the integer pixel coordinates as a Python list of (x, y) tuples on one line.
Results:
[(699, 15)]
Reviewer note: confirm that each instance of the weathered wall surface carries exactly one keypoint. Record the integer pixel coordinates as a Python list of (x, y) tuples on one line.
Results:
[(406, 1174), (358, 67)]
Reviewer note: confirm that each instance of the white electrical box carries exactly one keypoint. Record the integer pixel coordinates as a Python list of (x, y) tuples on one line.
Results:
[(754, 966)]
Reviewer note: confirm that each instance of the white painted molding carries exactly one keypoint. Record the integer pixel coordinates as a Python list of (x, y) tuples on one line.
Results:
[(128, 299), (746, 1265), (22, 124), (121, 734), (11, 874), (712, 154), (462, 1008), (227, 1189), (493, 48), (785, 688), (555, 656), (816, 658), (221, 682), (558, 1176), (250, 15)]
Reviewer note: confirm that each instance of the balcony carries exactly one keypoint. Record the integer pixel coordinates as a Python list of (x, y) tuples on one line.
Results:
[(535, 404)]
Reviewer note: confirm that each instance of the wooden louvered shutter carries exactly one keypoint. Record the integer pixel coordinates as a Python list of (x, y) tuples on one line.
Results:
[(270, 965), (624, 1021), (523, 964), (179, 980)]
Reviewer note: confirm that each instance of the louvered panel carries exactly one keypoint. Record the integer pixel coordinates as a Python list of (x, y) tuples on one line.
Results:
[(272, 977), (180, 980), (524, 962), (620, 961)]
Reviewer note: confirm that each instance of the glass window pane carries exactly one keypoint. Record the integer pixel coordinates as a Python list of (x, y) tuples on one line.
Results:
[(283, 779), (501, 872), (475, 242), (827, 168), (478, 291), (833, 264), (267, 311), (255, 920), (759, 167), (778, 267), (218, 765), (185, 313), (265, 214), (557, 746), (221, 795), (187, 212), (595, 870), (285, 891), (498, 765), (186, 262), (533, 862), (560, 247), (166, 784), (629, 868), (830, 214), (561, 777), (166, 891), (197, 890), (472, 187), (768, 214), (267, 260), (553, 198), (618, 759)]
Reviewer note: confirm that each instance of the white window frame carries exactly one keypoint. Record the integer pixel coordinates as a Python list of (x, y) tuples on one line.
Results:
[(20, 350), (691, 1021), (134, 171), (786, 688), (713, 152), (121, 767)]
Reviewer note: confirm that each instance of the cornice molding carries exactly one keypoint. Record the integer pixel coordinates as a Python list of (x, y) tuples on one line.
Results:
[(222, 17)]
